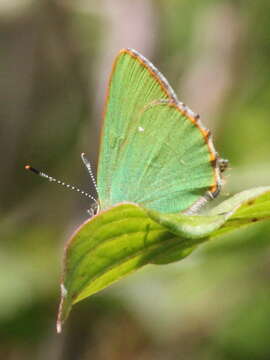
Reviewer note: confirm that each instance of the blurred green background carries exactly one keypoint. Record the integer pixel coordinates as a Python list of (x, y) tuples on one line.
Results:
[(56, 57)]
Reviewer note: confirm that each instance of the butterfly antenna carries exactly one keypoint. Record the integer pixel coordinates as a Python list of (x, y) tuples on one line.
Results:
[(89, 169), (52, 179)]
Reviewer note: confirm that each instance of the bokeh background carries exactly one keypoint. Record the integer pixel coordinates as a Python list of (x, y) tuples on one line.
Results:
[(56, 57)]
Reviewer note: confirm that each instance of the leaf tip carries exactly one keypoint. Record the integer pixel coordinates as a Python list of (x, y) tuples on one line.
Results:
[(60, 315)]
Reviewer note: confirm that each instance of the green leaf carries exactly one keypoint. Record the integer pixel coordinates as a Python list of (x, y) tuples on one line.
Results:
[(247, 207), (242, 209), (106, 248), (126, 237), (190, 227)]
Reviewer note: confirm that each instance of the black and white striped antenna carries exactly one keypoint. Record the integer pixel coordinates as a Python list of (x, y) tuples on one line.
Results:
[(89, 169), (69, 186)]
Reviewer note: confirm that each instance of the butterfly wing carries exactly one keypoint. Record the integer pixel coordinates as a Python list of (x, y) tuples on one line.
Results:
[(154, 150)]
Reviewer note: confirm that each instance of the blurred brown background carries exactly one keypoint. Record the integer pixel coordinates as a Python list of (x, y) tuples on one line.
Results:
[(55, 61)]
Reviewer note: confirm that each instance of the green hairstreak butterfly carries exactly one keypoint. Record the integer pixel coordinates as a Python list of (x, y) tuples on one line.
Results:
[(154, 149)]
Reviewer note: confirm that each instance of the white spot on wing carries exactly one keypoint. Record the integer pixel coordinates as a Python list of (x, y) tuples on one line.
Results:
[(141, 129)]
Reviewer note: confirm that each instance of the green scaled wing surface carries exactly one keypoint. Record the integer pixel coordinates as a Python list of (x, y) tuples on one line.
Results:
[(154, 150)]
